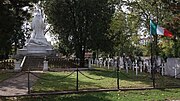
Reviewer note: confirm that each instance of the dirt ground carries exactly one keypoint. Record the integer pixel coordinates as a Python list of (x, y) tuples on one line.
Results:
[(17, 85)]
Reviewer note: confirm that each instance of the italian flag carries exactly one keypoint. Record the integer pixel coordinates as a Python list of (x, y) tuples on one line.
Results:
[(156, 29)]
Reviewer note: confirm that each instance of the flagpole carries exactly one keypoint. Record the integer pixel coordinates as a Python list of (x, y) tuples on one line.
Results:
[(156, 49), (154, 57), (152, 68)]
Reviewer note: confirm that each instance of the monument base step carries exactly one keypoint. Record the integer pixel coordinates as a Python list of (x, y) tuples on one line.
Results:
[(35, 51)]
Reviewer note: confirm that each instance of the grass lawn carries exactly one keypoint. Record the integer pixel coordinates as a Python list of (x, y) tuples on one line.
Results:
[(107, 79), (54, 82), (145, 95), (5, 75)]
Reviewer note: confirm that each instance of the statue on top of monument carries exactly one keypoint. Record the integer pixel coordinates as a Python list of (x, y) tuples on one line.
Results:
[(37, 44), (38, 26)]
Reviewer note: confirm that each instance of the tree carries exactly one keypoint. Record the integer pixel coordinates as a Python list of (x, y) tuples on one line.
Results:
[(124, 29), (163, 12), (12, 19), (6, 31), (80, 24), (172, 23)]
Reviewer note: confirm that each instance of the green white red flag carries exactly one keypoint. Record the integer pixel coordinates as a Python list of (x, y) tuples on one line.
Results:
[(158, 30)]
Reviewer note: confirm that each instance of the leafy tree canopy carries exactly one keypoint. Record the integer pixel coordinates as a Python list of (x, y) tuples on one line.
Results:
[(80, 24)]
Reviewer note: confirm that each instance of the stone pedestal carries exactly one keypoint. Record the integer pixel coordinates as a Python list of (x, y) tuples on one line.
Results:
[(17, 66), (45, 67), (35, 50)]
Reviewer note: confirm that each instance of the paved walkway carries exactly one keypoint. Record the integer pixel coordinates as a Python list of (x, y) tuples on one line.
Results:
[(17, 85)]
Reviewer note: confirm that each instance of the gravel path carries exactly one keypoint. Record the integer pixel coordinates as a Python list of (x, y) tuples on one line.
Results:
[(17, 85)]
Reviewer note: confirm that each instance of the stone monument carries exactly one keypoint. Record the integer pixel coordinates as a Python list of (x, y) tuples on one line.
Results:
[(37, 45)]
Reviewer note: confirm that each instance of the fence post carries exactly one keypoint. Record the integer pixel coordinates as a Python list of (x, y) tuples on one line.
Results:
[(118, 77), (77, 80), (28, 82)]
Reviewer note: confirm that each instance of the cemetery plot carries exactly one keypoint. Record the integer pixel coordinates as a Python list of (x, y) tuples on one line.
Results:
[(132, 74), (55, 81), (66, 81), (166, 81), (165, 74), (99, 78), (133, 80)]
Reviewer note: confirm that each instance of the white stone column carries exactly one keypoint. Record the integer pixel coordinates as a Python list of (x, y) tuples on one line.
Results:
[(17, 65), (45, 68)]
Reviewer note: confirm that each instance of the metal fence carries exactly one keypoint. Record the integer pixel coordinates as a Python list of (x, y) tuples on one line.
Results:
[(7, 64), (99, 77)]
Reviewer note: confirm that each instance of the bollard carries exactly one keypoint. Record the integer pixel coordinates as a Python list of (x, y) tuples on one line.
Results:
[(17, 66), (45, 67)]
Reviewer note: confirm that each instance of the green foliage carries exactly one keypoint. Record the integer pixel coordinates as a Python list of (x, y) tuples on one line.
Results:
[(12, 16), (164, 12), (4, 76), (6, 25), (80, 24), (124, 29)]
